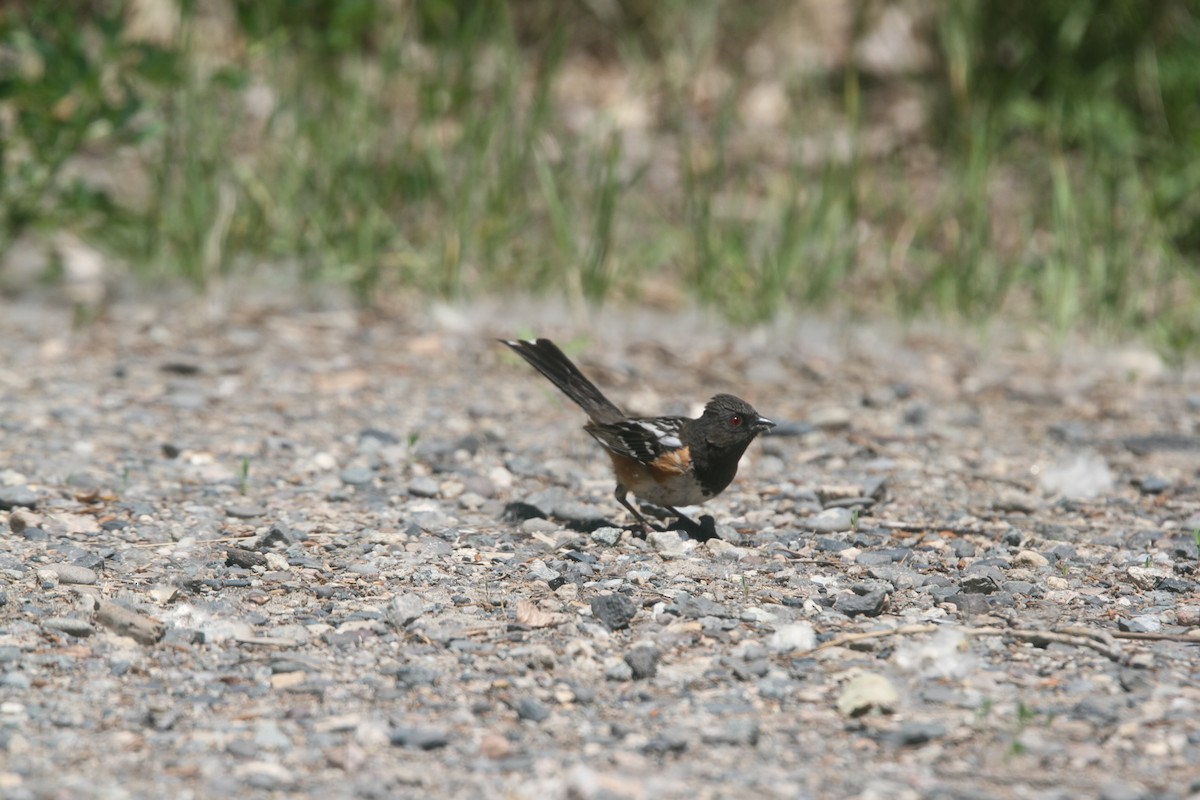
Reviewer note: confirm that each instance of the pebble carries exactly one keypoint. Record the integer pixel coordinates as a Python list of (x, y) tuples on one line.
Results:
[(245, 511), (886, 555), (674, 739), (1016, 501), (831, 520), (70, 573), (1147, 578), (863, 600), (18, 681), (619, 671), (69, 625), (265, 775), (357, 476), (981, 580), (18, 521), (614, 611), (1152, 485), (532, 709), (13, 496), (419, 738), (831, 418), (1146, 623), (269, 736), (642, 661), (911, 734), (538, 571), (404, 609), (1030, 559), (737, 732), (866, 692), (1188, 616), (608, 537), (670, 544)]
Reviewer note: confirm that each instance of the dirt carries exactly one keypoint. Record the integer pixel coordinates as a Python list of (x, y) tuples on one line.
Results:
[(285, 551)]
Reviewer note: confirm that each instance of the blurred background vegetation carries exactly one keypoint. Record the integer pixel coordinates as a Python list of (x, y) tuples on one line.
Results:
[(1038, 159)]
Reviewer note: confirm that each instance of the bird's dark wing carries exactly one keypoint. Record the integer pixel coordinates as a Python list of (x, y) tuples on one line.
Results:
[(643, 439)]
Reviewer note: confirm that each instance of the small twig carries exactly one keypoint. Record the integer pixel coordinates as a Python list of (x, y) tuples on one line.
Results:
[(188, 544), (1100, 641), (923, 527), (1148, 636)]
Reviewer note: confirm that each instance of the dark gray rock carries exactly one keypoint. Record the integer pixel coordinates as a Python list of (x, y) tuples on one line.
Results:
[(1152, 485), (886, 555), (697, 607), (981, 580), (866, 599), (911, 734), (643, 661), (739, 732), (17, 496), (614, 611), (410, 676), (532, 710), (419, 738)]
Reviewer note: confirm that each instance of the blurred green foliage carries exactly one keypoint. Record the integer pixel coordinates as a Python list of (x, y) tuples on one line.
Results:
[(383, 145), (1116, 80), (69, 82)]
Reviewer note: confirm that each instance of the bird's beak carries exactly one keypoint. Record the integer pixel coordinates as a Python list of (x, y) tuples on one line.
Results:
[(763, 424)]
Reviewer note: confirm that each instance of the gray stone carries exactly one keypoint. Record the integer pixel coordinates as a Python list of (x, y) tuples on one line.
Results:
[(71, 573), (1153, 485), (619, 671), (532, 709), (419, 737), (1145, 623), (642, 661), (911, 734), (403, 610), (608, 537), (357, 476), (423, 486), (70, 625), (538, 571), (13, 496), (1030, 559), (981, 580), (669, 544), (245, 511), (863, 600), (15, 680), (831, 520), (886, 555), (614, 611), (740, 732)]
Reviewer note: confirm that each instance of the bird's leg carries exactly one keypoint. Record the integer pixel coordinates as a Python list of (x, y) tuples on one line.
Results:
[(620, 494), (682, 517)]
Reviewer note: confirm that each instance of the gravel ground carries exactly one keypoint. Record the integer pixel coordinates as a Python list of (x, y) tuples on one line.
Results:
[(306, 553)]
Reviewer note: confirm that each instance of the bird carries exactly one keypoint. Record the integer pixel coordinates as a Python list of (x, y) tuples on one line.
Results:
[(667, 461)]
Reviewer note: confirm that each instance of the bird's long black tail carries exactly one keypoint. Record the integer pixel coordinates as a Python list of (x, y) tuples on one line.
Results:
[(547, 359)]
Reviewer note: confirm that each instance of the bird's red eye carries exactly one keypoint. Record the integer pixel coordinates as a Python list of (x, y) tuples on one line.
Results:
[(735, 420)]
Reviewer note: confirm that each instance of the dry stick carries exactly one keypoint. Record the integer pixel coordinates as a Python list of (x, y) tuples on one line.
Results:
[(1150, 636), (1100, 641)]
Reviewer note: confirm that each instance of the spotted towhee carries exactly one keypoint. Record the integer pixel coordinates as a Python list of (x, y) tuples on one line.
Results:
[(667, 461)]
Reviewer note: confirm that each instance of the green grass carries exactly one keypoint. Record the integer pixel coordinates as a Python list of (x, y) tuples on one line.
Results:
[(392, 149)]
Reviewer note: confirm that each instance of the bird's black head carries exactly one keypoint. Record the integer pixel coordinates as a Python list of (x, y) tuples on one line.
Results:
[(729, 421)]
